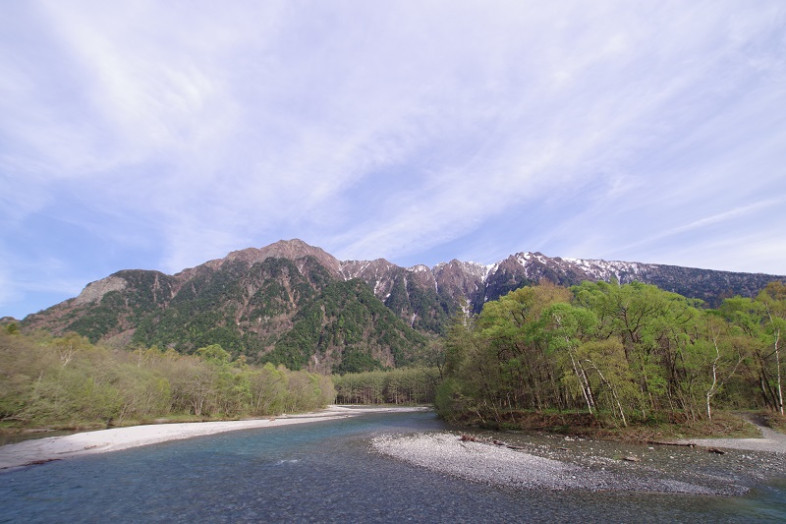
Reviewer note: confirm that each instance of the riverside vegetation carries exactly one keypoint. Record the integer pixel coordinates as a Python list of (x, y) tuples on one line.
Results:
[(606, 355), (602, 356), (67, 382), (70, 383)]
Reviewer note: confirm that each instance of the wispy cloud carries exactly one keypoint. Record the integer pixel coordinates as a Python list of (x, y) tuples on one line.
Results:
[(736, 214), (169, 135)]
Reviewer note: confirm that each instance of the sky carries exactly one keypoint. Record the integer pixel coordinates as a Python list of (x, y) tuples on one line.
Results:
[(160, 135)]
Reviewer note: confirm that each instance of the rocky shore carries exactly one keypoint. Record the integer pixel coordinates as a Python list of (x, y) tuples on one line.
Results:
[(714, 467)]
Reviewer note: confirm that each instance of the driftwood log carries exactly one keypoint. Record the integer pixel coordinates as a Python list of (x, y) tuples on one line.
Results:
[(680, 444)]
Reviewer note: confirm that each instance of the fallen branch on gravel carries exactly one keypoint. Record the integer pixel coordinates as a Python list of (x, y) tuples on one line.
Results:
[(680, 444)]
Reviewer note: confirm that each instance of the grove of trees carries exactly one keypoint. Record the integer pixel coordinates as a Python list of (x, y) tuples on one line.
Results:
[(69, 382), (620, 353), (397, 386)]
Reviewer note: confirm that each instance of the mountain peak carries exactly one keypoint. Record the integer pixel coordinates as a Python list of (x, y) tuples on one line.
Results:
[(293, 249)]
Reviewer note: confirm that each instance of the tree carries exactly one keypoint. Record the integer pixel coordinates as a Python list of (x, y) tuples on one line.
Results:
[(268, 388), (567, 326), (68, 345), (773, 298), (607, 360), (716, 355), (214, 354), (747, 316)]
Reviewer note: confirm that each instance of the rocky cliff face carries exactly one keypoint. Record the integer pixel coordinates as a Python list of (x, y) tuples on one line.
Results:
[(295, 304)]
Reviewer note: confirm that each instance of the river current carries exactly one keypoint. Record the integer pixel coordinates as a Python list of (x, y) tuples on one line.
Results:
[(325, 472)]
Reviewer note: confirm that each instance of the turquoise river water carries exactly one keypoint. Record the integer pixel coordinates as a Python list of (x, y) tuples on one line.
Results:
[(325, 472)]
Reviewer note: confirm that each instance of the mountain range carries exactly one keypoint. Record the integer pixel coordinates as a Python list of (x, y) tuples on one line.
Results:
[(295, 304)]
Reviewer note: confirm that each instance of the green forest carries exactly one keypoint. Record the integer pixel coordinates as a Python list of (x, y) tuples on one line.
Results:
[(615, 354), (415, 385), (68, 382)]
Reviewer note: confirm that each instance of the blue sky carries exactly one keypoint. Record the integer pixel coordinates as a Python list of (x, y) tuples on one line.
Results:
[(159, 135)]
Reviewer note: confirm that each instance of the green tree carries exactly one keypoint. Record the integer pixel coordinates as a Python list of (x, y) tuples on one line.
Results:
[(568, 326), (606, 360)]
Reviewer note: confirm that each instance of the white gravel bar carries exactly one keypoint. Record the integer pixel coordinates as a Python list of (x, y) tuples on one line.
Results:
[(499, 465), (480, 462)]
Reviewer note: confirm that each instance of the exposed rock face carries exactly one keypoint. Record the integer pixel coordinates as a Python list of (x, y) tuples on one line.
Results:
[(298, 305), (379, 274), (458, 277), (95, 291)]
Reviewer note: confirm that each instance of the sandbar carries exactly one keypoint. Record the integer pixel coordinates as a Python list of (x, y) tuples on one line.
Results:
[(42, 450)]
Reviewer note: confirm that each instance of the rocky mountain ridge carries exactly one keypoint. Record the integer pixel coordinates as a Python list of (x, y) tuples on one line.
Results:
[(296, 304)]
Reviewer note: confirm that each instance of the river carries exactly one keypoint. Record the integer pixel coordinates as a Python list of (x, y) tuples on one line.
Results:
[(326, 472)]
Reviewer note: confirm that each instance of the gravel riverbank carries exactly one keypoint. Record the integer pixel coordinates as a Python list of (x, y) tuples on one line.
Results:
[(564, 463), (42, 450)]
